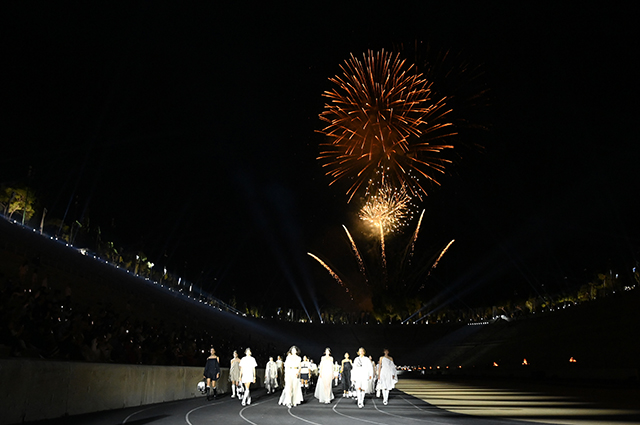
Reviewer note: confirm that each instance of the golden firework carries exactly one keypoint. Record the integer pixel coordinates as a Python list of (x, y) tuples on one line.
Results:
[(388, 209), (386, 212), (383, 115)]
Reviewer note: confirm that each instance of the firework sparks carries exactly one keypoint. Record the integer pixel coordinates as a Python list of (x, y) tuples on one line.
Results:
[(435, 264), (356, 253), (415, 234), (331, 272), (383, 114), (388, 210), (442, 253)]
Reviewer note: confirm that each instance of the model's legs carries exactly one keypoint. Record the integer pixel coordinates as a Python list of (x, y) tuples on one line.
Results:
[(385, 396), (247, 396), (208, 389), (245, 393)]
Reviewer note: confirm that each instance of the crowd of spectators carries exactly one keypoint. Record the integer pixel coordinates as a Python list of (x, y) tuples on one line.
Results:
[(40, 320)]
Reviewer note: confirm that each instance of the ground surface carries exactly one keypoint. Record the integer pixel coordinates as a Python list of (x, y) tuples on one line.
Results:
[(420, 401)]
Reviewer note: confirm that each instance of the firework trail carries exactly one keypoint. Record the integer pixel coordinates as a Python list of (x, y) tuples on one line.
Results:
[(356, 253), (435, 264), (383, 114), (331, 272), (442, 253), (415, 236)]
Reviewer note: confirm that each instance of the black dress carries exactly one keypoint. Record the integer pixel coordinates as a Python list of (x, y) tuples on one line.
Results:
[(212, 369), (346, 376)]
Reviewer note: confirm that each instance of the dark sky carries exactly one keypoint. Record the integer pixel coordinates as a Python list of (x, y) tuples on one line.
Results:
[(192, 130)]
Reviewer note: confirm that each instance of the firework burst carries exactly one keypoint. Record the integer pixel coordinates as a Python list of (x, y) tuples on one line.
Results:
[(383, 115), (386, 211)]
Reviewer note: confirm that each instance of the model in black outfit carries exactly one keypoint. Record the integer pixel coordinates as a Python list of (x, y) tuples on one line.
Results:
[(212, 374)]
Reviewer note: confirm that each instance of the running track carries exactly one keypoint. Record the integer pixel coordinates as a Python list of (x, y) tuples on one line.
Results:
[(431, 403)]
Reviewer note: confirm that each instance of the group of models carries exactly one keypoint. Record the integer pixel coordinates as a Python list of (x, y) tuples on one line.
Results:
[(360, 376)]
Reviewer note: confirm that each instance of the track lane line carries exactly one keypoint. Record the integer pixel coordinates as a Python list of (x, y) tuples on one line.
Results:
[(408, 418), (186, 416), (357, 419)]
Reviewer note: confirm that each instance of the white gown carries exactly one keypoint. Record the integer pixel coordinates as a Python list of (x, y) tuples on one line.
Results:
[(323, 393), (388, 375), (292, 393)]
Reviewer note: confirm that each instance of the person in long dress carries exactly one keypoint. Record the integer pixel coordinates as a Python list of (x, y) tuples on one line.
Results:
[(323, 393), (387, 375), (292, 393), (212, 373), (234, 374), (361, 374), (271, 376), (345, 371), (247, 375), (280, 365)]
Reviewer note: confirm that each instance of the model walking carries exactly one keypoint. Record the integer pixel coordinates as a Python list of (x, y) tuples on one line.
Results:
[(323, 393), (271, 376), (345, 371), (247, 375), (361, 374), (280, 365), (212, 373), (304, 374), (387, 376), (234, 375), (292, 393)]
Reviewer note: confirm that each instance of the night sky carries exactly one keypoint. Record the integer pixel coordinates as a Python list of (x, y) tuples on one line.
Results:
[(191, 133)]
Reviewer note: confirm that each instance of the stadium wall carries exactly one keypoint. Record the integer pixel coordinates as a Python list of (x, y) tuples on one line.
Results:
[(38, 389)]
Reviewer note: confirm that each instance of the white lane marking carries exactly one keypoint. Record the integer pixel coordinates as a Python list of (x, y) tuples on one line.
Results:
[(135, 413), (302, 419), (419, 408), (245, 408), (186, 417), (353, 417), (431, 421)]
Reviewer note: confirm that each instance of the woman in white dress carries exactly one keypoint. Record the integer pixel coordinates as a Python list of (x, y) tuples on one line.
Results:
[(361, 374), (234, 374), (271, 376), (247, 375), (323, 393), (292, 393), (387, 375)]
